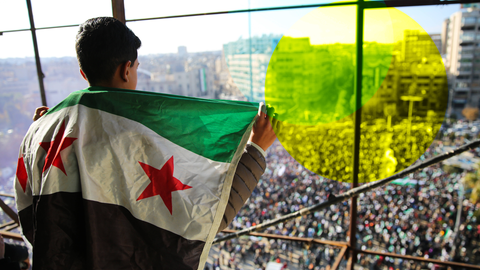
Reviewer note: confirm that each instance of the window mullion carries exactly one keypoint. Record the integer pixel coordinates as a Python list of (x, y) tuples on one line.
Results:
[(40, 74)]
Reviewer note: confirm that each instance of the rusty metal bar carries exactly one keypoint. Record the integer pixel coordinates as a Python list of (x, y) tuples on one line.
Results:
[(357, 132), (40, 28), (344, 246), (339, 258), (352, 192), (118, 10), (9, 211), (7, 224), (11, 227), (7, 195), (40, 74), (293, 238), (11, 235), (420, 259)]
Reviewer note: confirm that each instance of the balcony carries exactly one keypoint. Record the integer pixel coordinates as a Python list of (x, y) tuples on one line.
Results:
[(461, 89), (467, 44), (468, 21), (466, 55), (468, 28), (464, 72), (465, 64)]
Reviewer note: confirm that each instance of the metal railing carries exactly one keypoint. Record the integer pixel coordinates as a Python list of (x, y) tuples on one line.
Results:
[(5, 229), (350, 247)]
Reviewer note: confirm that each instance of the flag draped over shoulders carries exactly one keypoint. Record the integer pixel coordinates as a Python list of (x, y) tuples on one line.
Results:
[(120, 179)]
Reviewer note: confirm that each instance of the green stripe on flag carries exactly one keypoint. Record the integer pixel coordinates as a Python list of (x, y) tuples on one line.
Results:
[(211, 128)]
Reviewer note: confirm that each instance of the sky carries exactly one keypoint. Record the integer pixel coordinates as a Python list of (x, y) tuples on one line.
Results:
[(202, 33)]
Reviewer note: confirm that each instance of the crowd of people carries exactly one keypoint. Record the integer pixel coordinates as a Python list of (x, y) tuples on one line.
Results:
[(418, 220), (328, 149)]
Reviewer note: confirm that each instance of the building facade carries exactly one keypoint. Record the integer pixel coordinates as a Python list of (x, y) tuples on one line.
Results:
[(248, 67), (461, 40)]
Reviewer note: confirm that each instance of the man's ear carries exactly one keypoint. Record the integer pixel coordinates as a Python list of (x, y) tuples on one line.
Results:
[(83, 75), (125, 70)]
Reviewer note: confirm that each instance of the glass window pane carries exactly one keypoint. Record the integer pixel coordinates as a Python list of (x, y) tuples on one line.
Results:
[(151, 8), (277, 3), (19, 96), (403, 123), (276, 22), (248, 67), (467, 36), (136, 9), (310, 82), (431, 18), (59, 63), (440, 2), (13, 15), (405, 87), (190, 63), (16, 44), (470, 5), (57, 12), (469, 20)]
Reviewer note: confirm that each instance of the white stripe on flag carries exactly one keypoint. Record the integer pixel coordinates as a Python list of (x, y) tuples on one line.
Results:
[(109, 150)]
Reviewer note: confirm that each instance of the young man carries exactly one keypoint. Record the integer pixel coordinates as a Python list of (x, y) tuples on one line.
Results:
[(66, 238)]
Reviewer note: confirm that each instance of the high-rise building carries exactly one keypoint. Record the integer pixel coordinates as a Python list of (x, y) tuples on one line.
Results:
[(393, 76), (470, 5), (461, 38), (182, 50), (417, 46), (248, 68), (437, 40)]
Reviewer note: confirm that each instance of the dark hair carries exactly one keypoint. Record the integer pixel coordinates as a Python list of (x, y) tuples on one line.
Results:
[(103, 44)]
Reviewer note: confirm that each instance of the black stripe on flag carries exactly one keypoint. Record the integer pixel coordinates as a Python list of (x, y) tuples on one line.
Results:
[(70, 232)]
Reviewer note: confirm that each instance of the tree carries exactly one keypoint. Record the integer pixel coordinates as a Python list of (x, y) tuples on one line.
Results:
[(452, 136), (470, 113), (453, 117), (451, 169)]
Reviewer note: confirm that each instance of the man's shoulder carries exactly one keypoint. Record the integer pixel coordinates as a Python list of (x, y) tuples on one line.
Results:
[(72, 99)]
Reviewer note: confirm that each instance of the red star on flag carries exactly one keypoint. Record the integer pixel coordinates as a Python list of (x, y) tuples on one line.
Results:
[(162, 183), (22, 174), (54, 148)]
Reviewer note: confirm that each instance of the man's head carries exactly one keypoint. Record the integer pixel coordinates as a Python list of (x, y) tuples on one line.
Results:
[(107, 52)]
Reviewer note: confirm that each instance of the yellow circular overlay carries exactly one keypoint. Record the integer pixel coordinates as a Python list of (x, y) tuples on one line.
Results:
[(310, 82)]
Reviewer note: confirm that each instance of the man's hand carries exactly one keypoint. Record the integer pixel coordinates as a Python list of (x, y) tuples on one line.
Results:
[(39, 112), (263, 133)]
